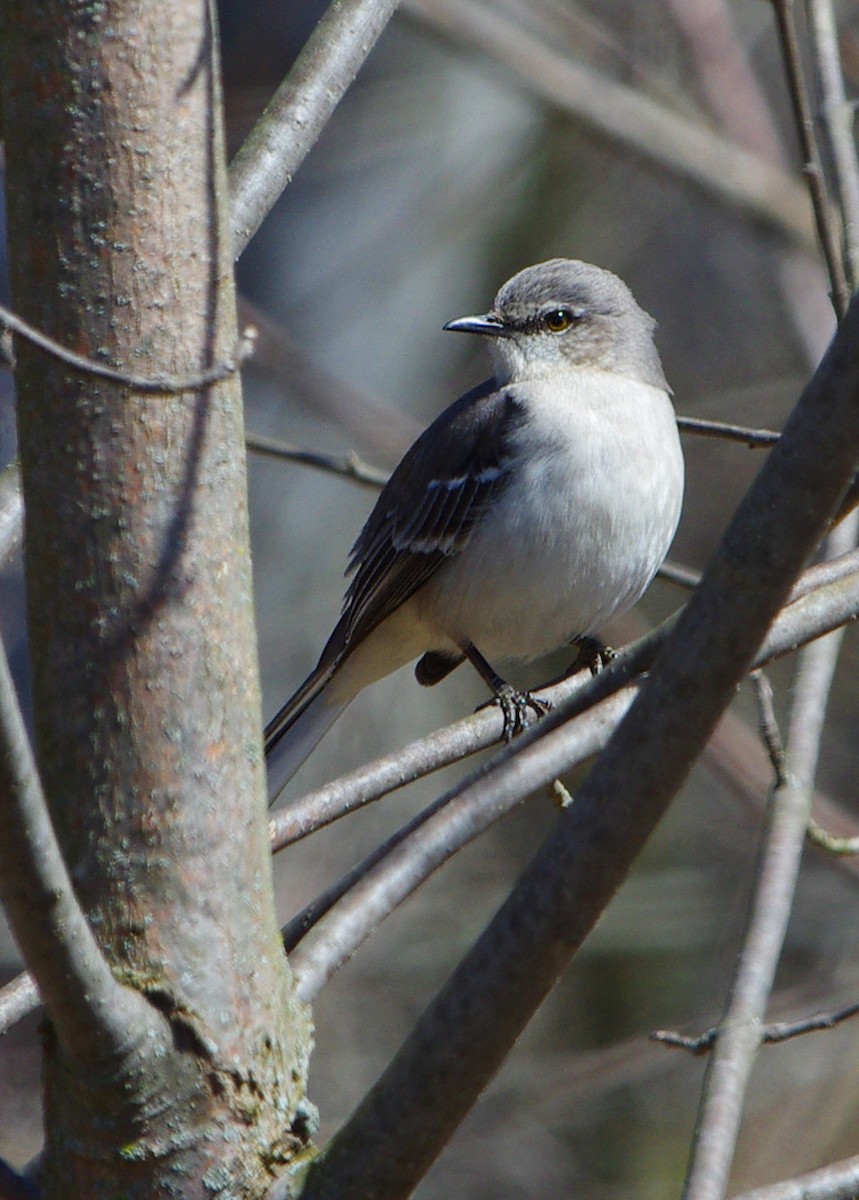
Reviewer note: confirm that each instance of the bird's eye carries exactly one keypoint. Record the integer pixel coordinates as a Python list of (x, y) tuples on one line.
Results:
[(559, 319)]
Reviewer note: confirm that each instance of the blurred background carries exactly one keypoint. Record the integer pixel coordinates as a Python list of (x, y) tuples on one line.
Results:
[(652, 137)]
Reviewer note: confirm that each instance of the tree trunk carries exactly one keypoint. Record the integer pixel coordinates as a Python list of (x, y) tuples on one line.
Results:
[(140, 605)]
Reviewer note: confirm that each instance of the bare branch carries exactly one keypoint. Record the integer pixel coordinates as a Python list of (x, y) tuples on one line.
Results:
[(835, 601), (837, 116), (350, 466), (732, 433), (741, 1031), (680, 575), (839, 1181), (724, 75), (351, 909), (776, 1031), (94, 1016), (768, 725), (462, 1038), (169, 385), (329, 930), (17, 998), (785, 11), (829, 571), (721, 166), (353, 468), (300, 108), (11, 512), (832, 599), (818, 836), (419, 758)]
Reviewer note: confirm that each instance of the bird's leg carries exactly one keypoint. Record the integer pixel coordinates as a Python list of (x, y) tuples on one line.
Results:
[(593, 654), (514, 704)]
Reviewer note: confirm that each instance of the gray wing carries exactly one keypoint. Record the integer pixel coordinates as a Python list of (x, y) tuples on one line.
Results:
[(428, 509)]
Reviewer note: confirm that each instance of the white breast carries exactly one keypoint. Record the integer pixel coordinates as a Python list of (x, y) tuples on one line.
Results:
[(585, 522)]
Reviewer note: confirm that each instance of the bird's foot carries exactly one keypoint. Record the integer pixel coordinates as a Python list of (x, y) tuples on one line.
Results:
[(593, 655), (517, 709)]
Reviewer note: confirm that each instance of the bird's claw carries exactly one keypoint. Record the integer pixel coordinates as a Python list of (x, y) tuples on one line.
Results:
[(516, 709)]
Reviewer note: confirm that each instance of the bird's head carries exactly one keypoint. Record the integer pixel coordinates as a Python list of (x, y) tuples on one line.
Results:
[(566, 314)]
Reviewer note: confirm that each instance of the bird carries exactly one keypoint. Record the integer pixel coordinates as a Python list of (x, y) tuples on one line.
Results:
[(532, 510)]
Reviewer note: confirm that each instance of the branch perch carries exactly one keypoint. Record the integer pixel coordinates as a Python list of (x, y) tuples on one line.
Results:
[(463, 1037)]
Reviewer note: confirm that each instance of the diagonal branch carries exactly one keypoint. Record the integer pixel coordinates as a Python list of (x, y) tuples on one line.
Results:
[(348, 912), (461, 1040), (349, 466), (838, 1181), (329, 930), (728, 431), (830, 603), (17, 998), (771, 1033), (742, 1030), (281, 139), (827, 608)]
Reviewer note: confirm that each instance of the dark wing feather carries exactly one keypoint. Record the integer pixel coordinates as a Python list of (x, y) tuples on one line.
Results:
[(428, 508)]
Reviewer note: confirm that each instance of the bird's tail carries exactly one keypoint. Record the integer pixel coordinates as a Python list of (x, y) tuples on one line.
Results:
[(297, 728)]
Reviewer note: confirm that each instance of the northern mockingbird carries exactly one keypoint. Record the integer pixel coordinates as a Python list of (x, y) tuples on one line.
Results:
[(533, 509)]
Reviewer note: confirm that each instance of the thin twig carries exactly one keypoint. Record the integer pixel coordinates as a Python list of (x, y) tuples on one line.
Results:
[(680, 575), (350, 466), (768, 725), (300, 108), (774, 1032), (17, 998), (753, 438), (837, 117), (818, 836), (353, 468), (325, 934), (740, 1035), (148, 385), (785, 14), (734, 753), (838, 1181)]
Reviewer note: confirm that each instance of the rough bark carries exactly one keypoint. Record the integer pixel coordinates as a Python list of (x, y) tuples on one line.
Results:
[(139, 597)]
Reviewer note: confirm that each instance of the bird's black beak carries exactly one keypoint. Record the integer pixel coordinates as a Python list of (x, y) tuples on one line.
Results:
[(487, 324)]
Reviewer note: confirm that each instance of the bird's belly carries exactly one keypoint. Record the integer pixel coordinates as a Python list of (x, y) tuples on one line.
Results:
[(557, 562)]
